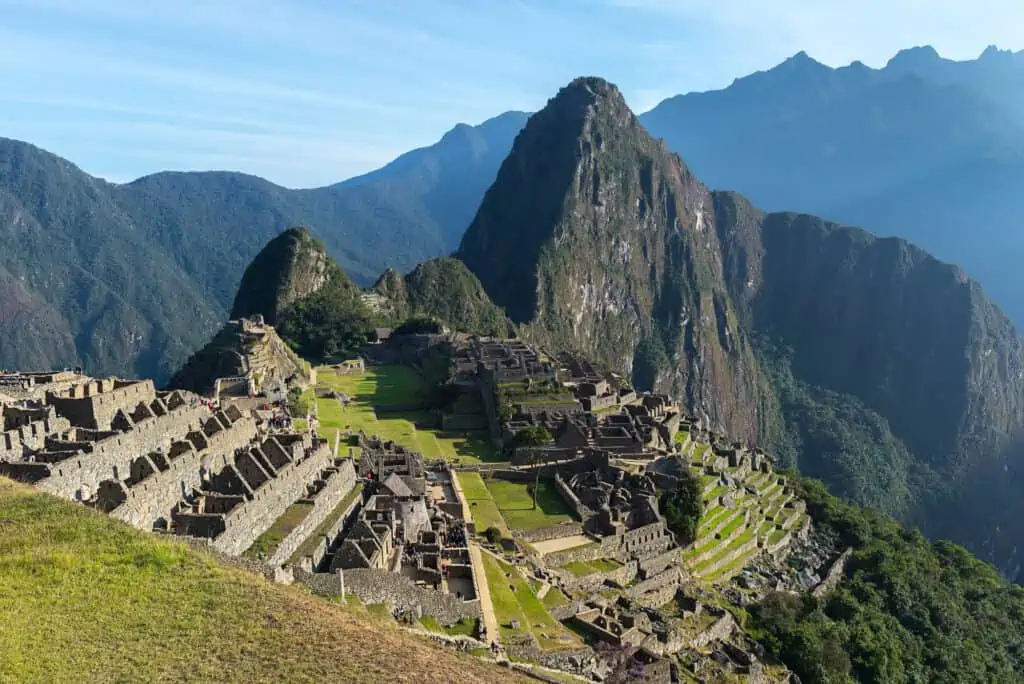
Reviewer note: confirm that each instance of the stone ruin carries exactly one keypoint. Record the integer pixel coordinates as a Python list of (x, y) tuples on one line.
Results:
[(406, 543), (165, 461)]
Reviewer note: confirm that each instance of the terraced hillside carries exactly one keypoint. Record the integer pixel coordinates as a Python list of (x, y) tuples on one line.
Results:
[(746, 512), (87, 598)]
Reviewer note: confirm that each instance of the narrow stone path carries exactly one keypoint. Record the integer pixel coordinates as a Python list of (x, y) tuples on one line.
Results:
[(486, 607)]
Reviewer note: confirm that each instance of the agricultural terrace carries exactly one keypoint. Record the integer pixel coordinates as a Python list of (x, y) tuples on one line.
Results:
[(729, 537), (391, 401)]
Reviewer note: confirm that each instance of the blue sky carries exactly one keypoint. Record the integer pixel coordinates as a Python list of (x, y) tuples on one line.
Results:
[(310, 92)]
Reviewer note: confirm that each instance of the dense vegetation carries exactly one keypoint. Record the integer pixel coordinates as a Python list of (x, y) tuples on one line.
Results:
[(683, 507), (332, 322), (532, 436), (445, 289), (908, 610)]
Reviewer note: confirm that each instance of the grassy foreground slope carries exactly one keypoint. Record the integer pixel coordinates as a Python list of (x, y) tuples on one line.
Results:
[(86, 598)]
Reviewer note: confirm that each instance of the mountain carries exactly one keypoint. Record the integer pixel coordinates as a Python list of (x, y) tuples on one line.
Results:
[(446, 290), (865, 362), (80, 281), (927, 149), (597, 259), (292, 267), (130, 279)]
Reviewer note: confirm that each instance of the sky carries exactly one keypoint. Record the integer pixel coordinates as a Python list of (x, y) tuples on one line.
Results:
[(311, 92)]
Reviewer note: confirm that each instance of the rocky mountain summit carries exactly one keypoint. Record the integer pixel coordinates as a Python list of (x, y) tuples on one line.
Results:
[(865, 362), (612, 255), (290, 268)]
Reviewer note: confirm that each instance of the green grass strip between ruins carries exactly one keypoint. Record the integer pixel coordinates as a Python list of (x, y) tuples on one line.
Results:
[(482, 507), (86, 598), (328, 526), (266, 544), (591, 567), (513, 599)]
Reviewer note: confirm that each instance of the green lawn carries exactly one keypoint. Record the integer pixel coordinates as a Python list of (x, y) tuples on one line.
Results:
[(515, 502), (463, 627), (554, 598), (513, 599), (266, 544), (482, 507), (85, 598), (395, 385)]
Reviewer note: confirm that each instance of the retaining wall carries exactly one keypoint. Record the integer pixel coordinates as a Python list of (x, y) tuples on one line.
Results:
[(155, 496), (338, 485), (834, 575), (380, 586), (567, 529)]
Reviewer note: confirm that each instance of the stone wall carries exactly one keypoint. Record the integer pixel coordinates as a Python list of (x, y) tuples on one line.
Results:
[(663, 579), (97, 410), (78, 477), (249, 520), (621, 576), (571, 499), (834, 575), (780, 546), (155, 496), (380, 586), (656, 564), (566, 529), (32, 435), (338, 485), (607, 547), (720, 629)]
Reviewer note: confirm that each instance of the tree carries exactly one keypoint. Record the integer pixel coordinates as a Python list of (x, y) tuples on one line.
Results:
[(682, 507), (533, 436)]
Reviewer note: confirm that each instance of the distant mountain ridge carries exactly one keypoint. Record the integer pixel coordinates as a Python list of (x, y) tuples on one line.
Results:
[(130, 279), (926, 149)]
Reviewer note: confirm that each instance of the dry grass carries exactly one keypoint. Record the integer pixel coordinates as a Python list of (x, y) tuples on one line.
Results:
[(86, 598)]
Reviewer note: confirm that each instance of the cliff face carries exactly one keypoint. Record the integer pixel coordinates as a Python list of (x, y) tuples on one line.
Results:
[(863, 361), (595, 237), (290, 268)]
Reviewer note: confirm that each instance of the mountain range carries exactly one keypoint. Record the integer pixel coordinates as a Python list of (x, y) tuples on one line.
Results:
[(132, 278), (862, 361)]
